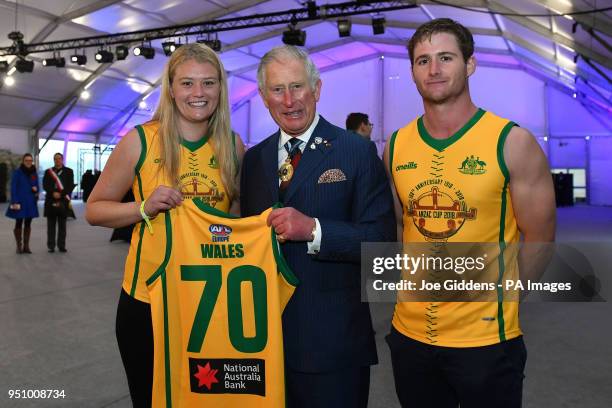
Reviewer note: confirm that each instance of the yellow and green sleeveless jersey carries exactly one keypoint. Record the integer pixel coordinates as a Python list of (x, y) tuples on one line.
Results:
[(199, 176), (216, 303), (456, 190)]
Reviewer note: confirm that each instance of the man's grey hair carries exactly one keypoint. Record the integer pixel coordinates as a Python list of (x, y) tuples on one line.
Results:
[(284, 52)]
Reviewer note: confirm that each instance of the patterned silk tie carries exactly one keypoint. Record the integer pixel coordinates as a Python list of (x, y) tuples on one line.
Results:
[(294, 154)]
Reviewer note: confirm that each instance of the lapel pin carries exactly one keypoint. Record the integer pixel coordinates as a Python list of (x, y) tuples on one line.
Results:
[(318, 140), (313, 146)]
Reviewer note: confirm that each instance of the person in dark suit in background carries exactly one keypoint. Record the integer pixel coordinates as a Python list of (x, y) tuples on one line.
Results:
[(58, 183), (335, 195), (359, 123)]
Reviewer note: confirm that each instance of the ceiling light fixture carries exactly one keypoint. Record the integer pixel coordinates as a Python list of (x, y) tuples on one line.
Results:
[(344, 27), (293, 36), (144, 51), (378, 25), (121, 51), (78, 59), (104, 56)]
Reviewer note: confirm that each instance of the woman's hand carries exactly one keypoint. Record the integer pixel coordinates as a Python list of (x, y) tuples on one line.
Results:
[(162, 199)]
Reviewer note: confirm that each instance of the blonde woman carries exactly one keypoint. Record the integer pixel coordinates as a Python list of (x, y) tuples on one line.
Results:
[(187, 150)]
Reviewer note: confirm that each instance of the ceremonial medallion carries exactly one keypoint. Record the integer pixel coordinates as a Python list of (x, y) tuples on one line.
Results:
[(285, 172)]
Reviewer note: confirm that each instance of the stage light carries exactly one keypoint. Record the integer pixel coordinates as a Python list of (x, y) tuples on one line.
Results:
[(169, 47), (294, 36), (142, 50), (24, 65), (78, 59), (85, 95), (142, 105), (4, 66), (344, 27), (59, 62), (378, 25), (9, 81), (103, 56), (121, 51)]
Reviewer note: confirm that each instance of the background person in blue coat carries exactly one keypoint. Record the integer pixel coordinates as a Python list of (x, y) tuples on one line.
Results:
[(335, 196), (24, 195)]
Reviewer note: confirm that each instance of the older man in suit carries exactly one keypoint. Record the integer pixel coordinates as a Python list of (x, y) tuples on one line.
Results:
[(335, 195)]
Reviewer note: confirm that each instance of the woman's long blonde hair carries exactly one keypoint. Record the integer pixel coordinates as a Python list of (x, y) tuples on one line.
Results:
[(219, 127)]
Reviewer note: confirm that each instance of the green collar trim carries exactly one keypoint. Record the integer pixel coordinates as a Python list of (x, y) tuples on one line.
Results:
[(210, 210), (193, 146), (441, 144)]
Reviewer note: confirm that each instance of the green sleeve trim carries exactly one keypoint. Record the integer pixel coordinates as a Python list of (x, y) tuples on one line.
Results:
[(281, 263), (441, 144), (210, 210), (143, 149), (164, 265), (500, 149), (392, 151), (193, 146), (137, 262)]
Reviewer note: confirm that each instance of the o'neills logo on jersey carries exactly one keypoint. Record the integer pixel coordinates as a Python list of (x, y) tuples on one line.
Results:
[(408, 166), (220, 232), (473, 166), (438, 209), (227, 376), (195, 184)]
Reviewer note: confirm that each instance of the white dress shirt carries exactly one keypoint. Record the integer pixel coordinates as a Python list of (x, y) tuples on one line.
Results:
[(315, 244)]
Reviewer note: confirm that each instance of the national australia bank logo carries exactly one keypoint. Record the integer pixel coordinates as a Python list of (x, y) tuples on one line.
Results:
[(227, 376), (220, 232)]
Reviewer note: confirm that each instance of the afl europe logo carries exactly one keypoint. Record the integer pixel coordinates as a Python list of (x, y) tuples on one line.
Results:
[(220, 232)]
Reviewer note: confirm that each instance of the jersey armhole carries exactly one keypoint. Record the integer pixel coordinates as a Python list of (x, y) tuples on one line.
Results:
[(281, 263), (500, 149), (391, 151), (143, 149)]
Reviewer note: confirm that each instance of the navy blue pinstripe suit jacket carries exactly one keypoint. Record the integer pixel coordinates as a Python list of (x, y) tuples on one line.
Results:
[(325, 325)]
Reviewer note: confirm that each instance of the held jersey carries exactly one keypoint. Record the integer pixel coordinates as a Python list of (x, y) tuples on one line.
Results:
[(199, 176), (216, 305), (456, 190)]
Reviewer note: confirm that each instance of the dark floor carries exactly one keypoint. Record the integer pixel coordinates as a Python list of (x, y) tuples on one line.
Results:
[(57, 314)]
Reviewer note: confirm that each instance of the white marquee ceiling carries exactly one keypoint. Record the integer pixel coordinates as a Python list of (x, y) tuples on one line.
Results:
[(48, 99)]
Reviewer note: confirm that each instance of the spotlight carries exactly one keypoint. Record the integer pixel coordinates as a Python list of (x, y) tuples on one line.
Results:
[(294, 36), (147, 52), (23, 65), (103, 56), (169, 47), (4, 66), (378, 25), (78, 59), (85, 95), (59, 62), (122, 52), (9, 81), (344, 27)]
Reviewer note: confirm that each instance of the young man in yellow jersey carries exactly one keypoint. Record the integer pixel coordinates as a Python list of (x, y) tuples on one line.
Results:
[(468, 354)]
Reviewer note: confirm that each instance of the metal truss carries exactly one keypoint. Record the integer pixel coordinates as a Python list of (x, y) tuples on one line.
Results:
[(293, 16)]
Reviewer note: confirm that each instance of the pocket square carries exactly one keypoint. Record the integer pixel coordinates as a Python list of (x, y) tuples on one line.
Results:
[(332, 176)]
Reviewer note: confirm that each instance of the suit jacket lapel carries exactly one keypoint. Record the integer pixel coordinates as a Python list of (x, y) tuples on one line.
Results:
[(311, 158), (269, 159)]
